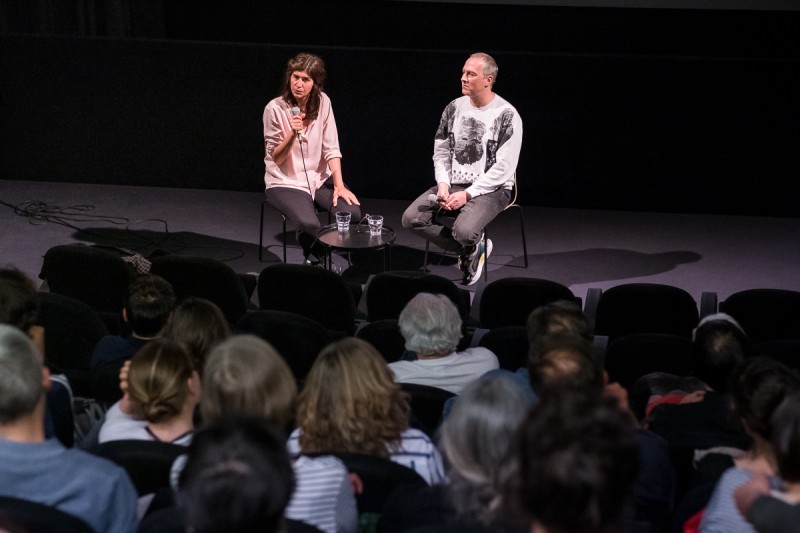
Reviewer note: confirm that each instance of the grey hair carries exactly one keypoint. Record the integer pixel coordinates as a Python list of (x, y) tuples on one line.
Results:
[(430, 324), (489, 65), (475, 437), (20, 375)]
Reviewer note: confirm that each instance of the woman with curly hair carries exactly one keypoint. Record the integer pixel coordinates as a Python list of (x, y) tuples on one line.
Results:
[(351, 404)]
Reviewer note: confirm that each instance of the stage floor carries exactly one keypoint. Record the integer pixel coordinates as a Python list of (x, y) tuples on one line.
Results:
[(578, 248)]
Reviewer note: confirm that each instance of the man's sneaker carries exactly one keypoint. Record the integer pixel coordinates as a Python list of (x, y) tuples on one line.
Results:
[(477, 259)]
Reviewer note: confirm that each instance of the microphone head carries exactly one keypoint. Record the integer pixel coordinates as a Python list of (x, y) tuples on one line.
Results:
[(434, 199), (295, 111)]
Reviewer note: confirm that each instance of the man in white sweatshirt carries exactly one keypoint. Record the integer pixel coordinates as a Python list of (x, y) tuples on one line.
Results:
[(475, 154)]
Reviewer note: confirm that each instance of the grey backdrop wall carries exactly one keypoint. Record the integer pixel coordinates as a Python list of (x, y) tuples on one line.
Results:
[(652, 110)]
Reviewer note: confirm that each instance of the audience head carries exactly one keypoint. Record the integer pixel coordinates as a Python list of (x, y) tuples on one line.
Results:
[(757, 387), (350, 402), (237, 478), (474, 440), (573, 465), (719, 344), (23, 377), (161, 378), (148, 304), (561, 317), (198, 325), (19, 302), (564, 361), (786, 438), (430, 324), (245, 376)]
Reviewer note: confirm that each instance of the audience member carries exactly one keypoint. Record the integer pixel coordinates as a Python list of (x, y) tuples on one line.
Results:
[(198, 325), (245, 376), (757, 387), (706, 425), (777, 511), (147, 307), (237, 478), (351, 404), (786, 446), (474, 440), (573, 465), (563, 363), (159, 401), (765, 512), (19, 307), (431, 327), (43, 470)]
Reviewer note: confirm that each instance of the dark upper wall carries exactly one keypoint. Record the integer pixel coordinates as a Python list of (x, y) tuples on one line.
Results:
[(653, 110)]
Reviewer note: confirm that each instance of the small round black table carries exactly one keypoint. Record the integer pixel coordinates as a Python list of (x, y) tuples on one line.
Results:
[(356, 239)]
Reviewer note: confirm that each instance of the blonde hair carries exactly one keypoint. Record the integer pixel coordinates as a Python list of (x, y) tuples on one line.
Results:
[(158, 379), (245, 376), (350, 402)]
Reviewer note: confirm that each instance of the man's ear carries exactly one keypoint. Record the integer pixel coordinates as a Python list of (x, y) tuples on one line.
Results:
[(46, 382), (124, 315)]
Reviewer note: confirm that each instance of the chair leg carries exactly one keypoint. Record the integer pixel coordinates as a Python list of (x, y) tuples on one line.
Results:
[(522, 231), (486, 259), (284, 236), (261, 234), (425, 260)]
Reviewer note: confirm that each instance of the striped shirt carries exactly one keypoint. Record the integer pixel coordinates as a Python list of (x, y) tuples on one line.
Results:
[(721, 514), (416, 451), (323, 495)]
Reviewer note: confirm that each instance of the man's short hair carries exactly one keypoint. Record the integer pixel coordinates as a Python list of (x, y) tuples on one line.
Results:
[(20, 375), (149, 302), (19, 301), (489, 65)]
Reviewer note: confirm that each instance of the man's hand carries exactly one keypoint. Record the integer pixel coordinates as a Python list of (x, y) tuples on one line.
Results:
[(457, 200)]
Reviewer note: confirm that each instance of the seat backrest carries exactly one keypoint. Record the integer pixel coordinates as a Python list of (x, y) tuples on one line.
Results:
[(148, 463), (787, 351), (509, 301), (204, 277), (95, 276), (765, 314), (385, 336), (645, 308), (310, 291), (297, 338), (72, 329), (387, 293), (632, 356), (510, 344), (427, 405), (380, 478), (17, 514)]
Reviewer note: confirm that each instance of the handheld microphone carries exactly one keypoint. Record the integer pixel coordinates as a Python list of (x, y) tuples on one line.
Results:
[(433, 199), (296, 113)]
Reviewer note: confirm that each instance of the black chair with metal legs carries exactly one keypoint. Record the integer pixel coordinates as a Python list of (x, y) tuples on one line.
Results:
[(264, 205), (512, 205)]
